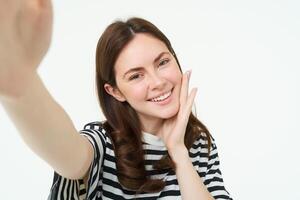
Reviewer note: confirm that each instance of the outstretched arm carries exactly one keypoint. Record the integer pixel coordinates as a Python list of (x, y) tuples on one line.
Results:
[(26, 29)]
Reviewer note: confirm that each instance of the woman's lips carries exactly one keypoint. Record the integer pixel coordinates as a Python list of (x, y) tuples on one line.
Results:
[(165, 101)]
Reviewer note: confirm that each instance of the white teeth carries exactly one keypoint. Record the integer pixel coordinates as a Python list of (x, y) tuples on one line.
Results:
[(162, 97)]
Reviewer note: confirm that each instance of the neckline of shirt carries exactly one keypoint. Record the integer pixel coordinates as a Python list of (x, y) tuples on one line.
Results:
[(152, 139)]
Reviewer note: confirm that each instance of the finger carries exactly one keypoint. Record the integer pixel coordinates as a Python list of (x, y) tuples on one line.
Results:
[(184, 88), (190, 100)]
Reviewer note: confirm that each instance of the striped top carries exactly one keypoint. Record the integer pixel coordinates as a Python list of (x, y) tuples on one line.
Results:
[(103, 182)]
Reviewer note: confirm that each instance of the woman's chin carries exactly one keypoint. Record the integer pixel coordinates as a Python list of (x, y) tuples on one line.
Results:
[(170, 113)]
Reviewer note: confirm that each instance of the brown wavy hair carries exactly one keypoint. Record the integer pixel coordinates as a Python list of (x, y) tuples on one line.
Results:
[(122, 123)]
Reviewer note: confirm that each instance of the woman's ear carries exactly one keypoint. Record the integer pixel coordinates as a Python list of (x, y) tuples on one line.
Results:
[(115, 92)]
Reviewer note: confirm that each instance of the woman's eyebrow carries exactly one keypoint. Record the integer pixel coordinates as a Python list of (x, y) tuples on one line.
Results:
[(139, 68), (159, 56)]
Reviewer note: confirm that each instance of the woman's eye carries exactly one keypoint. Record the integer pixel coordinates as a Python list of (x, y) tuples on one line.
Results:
[(163, 62), (135, 76)]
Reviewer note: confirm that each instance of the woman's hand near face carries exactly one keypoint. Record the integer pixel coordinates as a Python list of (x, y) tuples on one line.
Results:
[(25, 35), (173, 129)]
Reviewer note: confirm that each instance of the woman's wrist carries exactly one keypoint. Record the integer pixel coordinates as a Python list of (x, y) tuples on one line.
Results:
[(14, 84), (179, 155)]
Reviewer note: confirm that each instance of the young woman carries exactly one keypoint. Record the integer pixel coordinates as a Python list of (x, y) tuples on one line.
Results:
[(149, 147)]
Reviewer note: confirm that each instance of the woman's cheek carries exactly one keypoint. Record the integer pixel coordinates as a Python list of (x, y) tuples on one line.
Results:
[(173, 72), (176, 77), (140, 91)]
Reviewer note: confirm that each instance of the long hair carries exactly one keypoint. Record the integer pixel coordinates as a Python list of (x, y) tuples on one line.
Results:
[(126, 135)]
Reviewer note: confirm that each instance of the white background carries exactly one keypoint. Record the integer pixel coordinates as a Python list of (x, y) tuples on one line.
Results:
[(245, 61)]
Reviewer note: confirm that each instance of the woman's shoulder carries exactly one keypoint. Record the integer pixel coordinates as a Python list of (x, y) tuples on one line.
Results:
[(99, 126), (204, 138), (204, 142), (95, 125), (96, 130)]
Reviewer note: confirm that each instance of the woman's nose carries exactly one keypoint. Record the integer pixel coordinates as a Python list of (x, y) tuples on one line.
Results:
[(156, 81)]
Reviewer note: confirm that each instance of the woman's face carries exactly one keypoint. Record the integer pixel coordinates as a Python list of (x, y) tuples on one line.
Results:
[(148, 78)]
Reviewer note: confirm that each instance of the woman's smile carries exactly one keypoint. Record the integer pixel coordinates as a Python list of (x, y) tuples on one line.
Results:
[(163, 99)]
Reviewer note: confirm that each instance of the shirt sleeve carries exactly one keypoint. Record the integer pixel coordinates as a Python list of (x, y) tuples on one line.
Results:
[(209, 169), (68, 189)]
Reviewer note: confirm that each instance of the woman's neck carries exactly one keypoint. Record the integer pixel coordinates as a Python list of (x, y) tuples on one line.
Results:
[(152, 126)]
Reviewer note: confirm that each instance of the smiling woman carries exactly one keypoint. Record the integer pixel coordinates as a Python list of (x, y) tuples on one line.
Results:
[(149, 147)]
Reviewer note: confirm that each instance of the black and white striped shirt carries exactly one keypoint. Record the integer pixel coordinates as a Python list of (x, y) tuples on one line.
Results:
[(103, 182)]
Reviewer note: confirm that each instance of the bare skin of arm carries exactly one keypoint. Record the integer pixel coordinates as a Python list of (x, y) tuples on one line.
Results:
[(26, 29)]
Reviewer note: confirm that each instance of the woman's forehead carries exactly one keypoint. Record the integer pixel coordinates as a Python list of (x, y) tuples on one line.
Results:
[(140, 51)]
